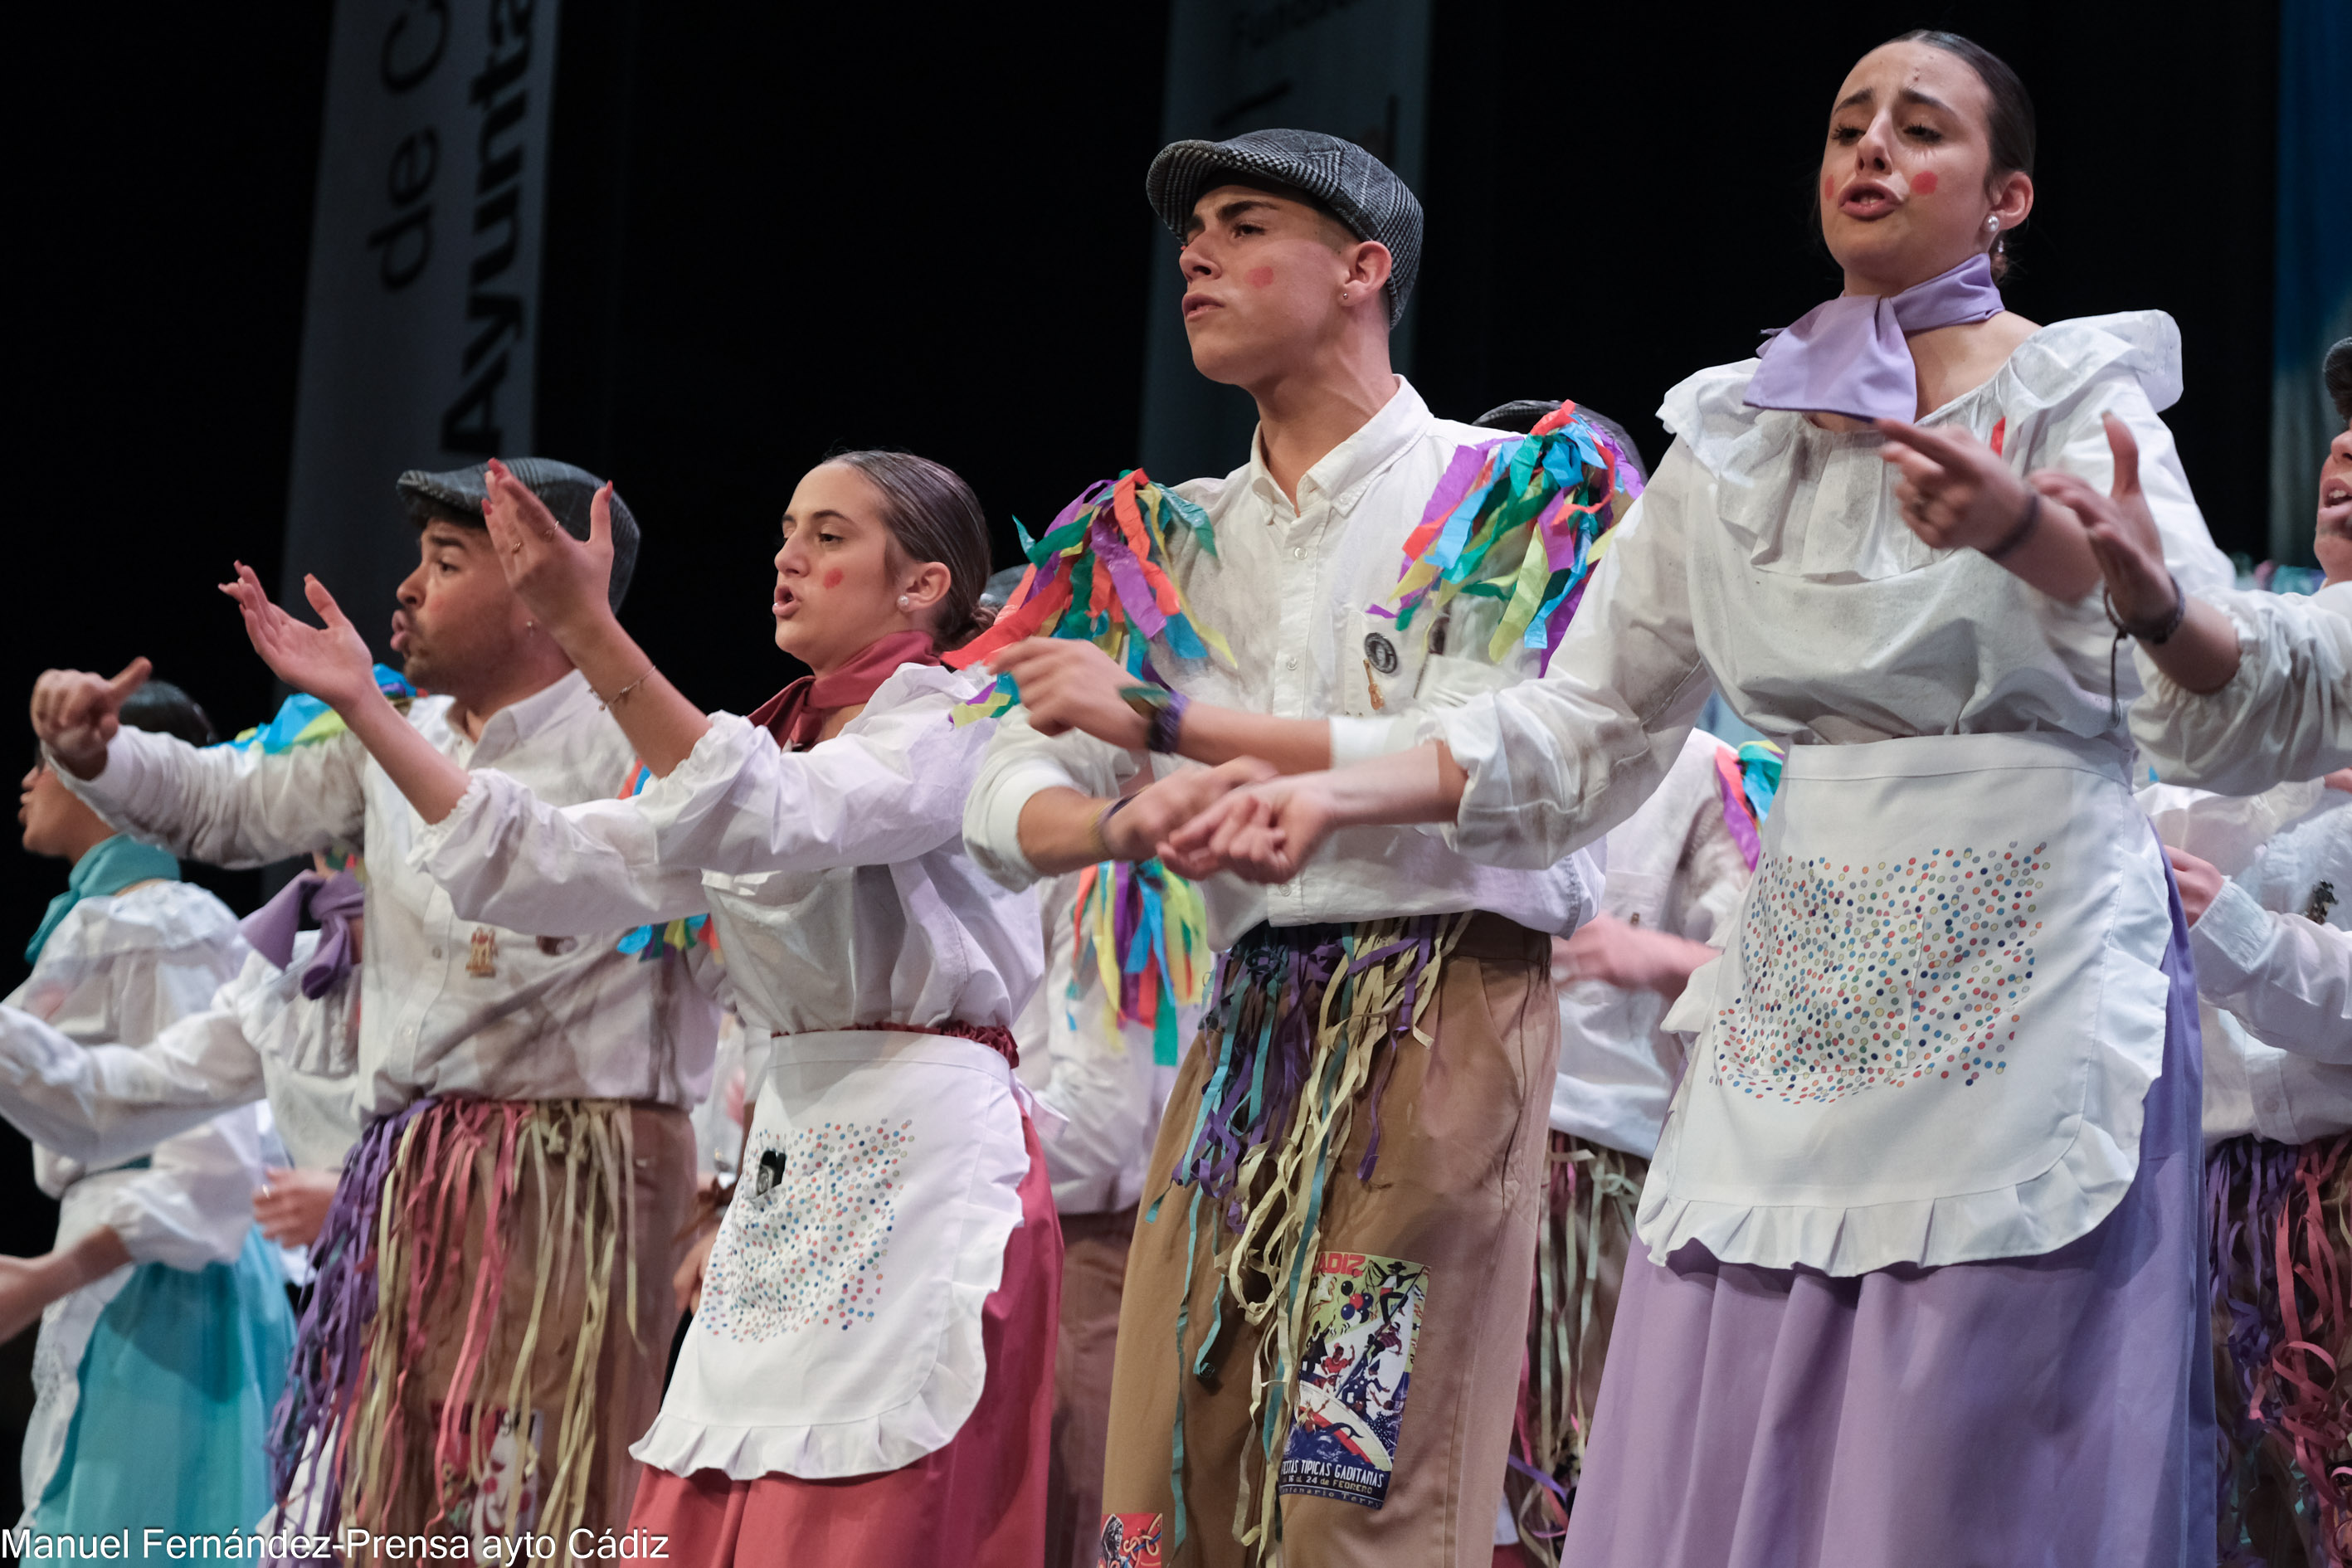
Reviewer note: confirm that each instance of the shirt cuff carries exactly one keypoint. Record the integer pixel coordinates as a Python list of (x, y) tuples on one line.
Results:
[(993, 821), (1361, 740), (2230, 940), (428, 850)]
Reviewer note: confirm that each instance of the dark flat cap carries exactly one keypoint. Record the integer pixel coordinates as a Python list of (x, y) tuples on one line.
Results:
[(459, 494), (2336, 371), (1365, 194)]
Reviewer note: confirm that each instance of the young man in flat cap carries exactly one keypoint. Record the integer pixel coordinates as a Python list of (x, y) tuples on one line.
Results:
[(483, 1368), (1320, 1340)]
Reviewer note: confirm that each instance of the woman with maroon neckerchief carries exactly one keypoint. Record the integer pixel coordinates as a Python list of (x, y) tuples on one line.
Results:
[(869, 1373)]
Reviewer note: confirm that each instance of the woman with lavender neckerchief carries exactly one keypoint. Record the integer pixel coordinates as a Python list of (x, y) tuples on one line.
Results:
[(1924, 1278)]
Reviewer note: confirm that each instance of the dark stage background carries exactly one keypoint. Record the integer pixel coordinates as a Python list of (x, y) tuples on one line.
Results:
[(772, 230)]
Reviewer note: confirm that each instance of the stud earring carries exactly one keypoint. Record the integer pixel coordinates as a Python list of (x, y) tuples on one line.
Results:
[(1992, 220), (902, 602)]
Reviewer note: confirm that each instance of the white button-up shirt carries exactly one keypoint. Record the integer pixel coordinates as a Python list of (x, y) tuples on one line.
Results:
[(1673, 867), (2273, 955), (259, 1038), (448, 1005), (1290, 589)]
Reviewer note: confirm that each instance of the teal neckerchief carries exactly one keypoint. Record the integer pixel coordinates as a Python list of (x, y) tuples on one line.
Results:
[(109, 867)]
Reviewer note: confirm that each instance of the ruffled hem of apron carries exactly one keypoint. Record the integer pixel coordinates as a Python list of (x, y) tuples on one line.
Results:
[(884, 1439), (2021, 1219)]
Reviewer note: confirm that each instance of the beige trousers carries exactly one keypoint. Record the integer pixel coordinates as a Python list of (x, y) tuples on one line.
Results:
[(1457, 1191)]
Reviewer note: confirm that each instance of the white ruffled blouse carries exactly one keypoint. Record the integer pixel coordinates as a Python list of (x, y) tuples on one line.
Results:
[(1769, 560)]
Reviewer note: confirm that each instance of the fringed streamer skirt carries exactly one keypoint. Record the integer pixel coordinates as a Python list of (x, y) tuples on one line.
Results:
[(2046, 1410), (1590, 1192), (2282, 1228), (491, 1319)]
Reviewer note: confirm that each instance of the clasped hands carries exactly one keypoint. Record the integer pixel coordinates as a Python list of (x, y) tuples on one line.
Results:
[(1241, 815)]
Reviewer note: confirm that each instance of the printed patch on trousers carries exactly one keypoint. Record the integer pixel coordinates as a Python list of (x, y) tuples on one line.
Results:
[(805, 1242), (1354, 1371), (504, 1501), (1130, 1540)]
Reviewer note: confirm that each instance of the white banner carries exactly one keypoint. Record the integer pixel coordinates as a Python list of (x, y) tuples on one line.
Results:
[(1353, 68), (418, 333)]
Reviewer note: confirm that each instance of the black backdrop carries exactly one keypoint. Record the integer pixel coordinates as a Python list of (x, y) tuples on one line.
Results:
[(774, 229)]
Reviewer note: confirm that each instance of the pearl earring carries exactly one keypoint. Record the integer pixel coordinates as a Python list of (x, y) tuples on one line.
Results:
[(1992, 220), (902, 602)]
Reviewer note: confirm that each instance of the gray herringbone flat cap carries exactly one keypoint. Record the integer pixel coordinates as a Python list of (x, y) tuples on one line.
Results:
[(1365, 194), (459, 494)]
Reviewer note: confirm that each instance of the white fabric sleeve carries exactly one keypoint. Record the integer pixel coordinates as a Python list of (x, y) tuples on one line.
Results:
[(228, 806), (888, 788), (507, 858), (1557, 762), (103, 1103), (1019, 763), (2284, 716), (2225, 831), (194, 1204), (2287, 979)]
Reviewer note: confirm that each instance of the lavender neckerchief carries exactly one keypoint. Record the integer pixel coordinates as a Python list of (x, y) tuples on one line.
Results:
[(334, 903), (1849, 356)]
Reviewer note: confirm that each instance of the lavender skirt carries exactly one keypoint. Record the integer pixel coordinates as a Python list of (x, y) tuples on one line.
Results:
[(2056, 1410)]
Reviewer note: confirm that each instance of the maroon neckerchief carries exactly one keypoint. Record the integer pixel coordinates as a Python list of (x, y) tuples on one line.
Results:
[(795, 715)]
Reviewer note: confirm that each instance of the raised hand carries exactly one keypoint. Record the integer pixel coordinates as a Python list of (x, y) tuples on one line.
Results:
[(1262, 833), (1954, 493), (75, 713), (2121, 529), (565, 582), (330, 662), (1070, 685)]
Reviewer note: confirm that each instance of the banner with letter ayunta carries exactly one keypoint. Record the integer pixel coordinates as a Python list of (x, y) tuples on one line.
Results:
[(419, 330)]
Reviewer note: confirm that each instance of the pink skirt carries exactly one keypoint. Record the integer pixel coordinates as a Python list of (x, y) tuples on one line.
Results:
[(980, 1501)]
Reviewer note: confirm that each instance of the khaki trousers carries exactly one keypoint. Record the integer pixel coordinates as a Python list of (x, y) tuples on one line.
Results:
[(1456, 1190)]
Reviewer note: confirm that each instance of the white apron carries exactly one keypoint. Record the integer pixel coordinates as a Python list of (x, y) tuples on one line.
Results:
[(1932, 1039), (839, 1333)]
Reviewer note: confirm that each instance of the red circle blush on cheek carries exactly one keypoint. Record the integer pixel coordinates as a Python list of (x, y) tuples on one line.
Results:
[(1926, 183), (1260, 277), (832, 578), (1829, 187)]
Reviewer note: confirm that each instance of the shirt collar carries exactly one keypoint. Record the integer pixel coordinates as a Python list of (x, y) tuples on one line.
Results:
[(517, 723), (1347, 467)]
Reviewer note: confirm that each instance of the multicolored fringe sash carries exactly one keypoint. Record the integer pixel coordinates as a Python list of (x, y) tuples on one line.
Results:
[(1298, 1026), (395, 1268), (1748, 779), (1523, 519), (1144, 931), (304, 720), (647, 941), (1587, 1188), (1100, 575), (2282, 1227)]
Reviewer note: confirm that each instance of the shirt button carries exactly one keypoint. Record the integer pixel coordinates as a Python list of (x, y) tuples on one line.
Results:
[(1292, 661), (436, 952), (1298, 553)]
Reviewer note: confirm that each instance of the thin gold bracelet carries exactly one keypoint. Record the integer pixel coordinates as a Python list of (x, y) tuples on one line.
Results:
[(622, 695)]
